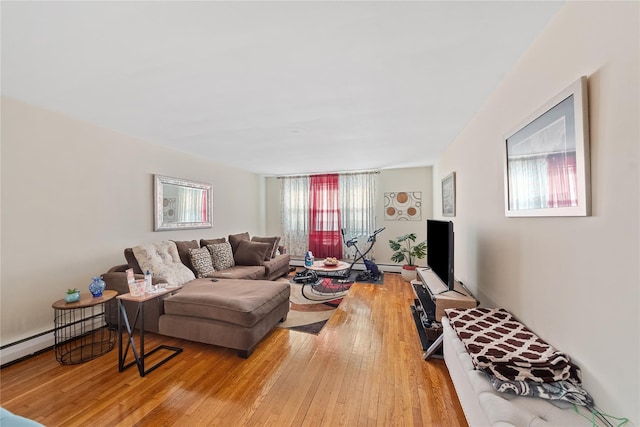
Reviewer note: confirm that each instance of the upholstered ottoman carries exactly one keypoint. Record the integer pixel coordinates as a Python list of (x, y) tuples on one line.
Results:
[(230, 313)]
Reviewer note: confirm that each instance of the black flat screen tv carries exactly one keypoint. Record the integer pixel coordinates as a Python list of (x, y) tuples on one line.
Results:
[(440, 250)]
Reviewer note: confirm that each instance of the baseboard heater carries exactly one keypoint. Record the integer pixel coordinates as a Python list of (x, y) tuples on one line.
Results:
[(25, 348), (31, 346)]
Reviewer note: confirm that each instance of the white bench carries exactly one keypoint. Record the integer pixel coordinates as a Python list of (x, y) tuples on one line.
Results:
[(483, 406)]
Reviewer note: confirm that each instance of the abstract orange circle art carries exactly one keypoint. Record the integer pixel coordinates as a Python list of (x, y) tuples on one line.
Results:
[(403, 206)]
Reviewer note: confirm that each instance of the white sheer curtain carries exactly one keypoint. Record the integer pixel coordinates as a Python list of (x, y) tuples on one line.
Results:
[(357, 207), (294, 214), (528, 180), (191, 205)]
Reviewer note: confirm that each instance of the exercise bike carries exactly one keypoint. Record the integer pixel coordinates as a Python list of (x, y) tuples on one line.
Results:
[(372, 272)]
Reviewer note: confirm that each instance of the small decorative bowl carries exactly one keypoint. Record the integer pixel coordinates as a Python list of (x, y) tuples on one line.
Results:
[(74, 297)]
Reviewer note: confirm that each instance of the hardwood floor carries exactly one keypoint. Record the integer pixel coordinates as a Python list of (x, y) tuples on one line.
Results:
[(364, 368)]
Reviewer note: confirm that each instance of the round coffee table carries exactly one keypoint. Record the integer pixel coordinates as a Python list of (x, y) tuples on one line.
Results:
[(338, 270), (336, 275)]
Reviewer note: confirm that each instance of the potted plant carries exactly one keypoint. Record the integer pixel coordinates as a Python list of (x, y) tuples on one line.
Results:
[(73, 295), (406, 250)]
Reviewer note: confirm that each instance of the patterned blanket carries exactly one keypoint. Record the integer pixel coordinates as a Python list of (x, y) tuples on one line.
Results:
[(506, 349), (558, 390)]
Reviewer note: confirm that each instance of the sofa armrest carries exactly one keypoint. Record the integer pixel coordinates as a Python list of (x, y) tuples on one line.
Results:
[(116, 279), (116, 268), (276, 267)]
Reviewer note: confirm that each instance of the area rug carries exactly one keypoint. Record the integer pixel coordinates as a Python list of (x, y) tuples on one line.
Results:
[(312, 306), (354, 278)]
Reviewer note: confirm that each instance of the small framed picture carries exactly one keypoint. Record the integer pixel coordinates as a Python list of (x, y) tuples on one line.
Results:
[(449, 195)]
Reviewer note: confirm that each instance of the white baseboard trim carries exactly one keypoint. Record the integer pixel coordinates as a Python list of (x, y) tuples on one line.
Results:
[(26, 348), (31, 345)]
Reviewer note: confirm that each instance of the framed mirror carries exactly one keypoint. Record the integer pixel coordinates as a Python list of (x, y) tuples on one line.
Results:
[(546, 162), (181, 204)]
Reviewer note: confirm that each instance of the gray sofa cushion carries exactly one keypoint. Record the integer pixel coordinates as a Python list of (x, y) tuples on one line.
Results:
[(241, 272), (132, 261), (251, 253), (274, 245), (278, 264), (235, 239), (205, 242), (184, 248), (239, 302)]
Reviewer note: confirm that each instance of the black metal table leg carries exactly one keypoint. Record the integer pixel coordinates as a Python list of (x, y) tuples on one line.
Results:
[(138, 357)]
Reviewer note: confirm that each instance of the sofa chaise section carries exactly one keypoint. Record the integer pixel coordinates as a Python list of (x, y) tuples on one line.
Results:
[(230, 313)]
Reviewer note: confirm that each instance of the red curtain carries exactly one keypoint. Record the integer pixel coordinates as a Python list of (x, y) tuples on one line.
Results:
[(562, 180), (324, 216), (205, 205)]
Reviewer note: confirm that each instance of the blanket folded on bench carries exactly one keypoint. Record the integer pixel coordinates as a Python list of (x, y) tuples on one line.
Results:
[(565, 391), (505, 348)]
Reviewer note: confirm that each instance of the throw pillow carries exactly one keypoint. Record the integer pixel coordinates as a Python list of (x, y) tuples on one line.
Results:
[(132, 261), (183, 251), (274, 245), (205, 242), (235, 239), (251, 253), (201, 261), (163, 261), (221, 256)]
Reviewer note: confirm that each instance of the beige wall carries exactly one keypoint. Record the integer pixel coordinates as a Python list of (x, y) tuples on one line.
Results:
[(272, 203), (574, 281), (393, 181), (75, 195), (389, 180)]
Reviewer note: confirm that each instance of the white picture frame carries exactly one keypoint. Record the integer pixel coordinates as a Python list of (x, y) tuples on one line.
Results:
[(449, 195), (546, 159), (181, 204)]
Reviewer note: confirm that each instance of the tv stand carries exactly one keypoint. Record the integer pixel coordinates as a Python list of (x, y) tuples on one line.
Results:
[(433, 297), (453, 290)]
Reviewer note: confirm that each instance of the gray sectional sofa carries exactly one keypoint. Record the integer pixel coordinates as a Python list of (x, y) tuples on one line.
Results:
[(232, 307)]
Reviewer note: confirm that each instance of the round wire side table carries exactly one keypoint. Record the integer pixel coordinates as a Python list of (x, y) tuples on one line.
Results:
[(80, 329)]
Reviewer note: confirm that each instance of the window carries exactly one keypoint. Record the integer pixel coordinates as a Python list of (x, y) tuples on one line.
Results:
[(324, 210), (354, 211)]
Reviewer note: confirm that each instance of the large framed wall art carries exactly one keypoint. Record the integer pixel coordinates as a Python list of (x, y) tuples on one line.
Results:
[(546, 159)]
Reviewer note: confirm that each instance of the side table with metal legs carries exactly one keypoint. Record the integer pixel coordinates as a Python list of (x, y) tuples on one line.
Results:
[(139, 356)]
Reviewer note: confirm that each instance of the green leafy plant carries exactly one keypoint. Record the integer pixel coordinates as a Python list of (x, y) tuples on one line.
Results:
[(406, 250), (72, 291)]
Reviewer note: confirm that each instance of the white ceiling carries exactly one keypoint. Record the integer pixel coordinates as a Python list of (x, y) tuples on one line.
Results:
[(272, 87)]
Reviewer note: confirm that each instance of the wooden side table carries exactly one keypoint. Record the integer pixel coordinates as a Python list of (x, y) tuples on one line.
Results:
[(80, 330), (130, 326)]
